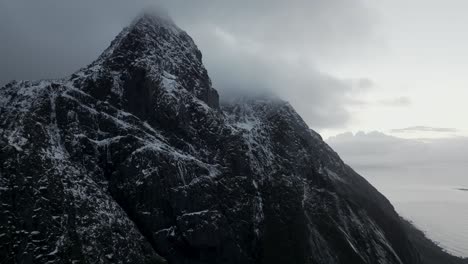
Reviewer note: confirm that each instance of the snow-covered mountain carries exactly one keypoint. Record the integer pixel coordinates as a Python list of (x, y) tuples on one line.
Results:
[(133, 160)]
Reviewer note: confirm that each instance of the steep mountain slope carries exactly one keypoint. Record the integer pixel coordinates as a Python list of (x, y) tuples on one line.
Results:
[(133, 160)]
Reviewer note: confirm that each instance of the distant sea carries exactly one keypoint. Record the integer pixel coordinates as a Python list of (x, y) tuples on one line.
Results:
[(434, 198)]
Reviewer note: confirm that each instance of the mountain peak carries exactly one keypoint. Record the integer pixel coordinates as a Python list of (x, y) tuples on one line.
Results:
[(149, 33), (155, 18), (138, 61)]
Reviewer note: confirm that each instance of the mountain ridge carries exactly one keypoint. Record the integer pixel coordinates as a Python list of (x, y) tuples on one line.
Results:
[(133, 160)]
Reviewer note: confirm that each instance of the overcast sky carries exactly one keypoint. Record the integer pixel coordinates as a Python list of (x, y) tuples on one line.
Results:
[(391, 65)]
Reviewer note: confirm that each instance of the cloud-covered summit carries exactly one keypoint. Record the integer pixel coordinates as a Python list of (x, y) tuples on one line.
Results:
[(247, 45)]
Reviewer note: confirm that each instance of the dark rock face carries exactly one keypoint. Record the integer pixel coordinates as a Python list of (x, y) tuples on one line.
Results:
[(132, 160)]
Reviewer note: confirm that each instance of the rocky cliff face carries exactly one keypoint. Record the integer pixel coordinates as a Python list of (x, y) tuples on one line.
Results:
[(133, 160)]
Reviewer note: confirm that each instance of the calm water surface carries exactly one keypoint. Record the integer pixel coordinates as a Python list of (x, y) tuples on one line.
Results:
[(429, 197)]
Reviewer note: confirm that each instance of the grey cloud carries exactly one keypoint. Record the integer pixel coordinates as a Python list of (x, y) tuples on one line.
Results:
[(318, 97), (247, 45), (365, 84), (424, 129), (317, 26), (399, 101)]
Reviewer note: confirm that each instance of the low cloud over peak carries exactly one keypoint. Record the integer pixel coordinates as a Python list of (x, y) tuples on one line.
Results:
[(247, 45)]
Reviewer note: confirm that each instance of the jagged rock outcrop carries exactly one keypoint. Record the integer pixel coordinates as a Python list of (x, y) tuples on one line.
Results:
[(133, 160)]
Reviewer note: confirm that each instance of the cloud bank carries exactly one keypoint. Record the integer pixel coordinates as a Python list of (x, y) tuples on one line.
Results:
[(424, 129)]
